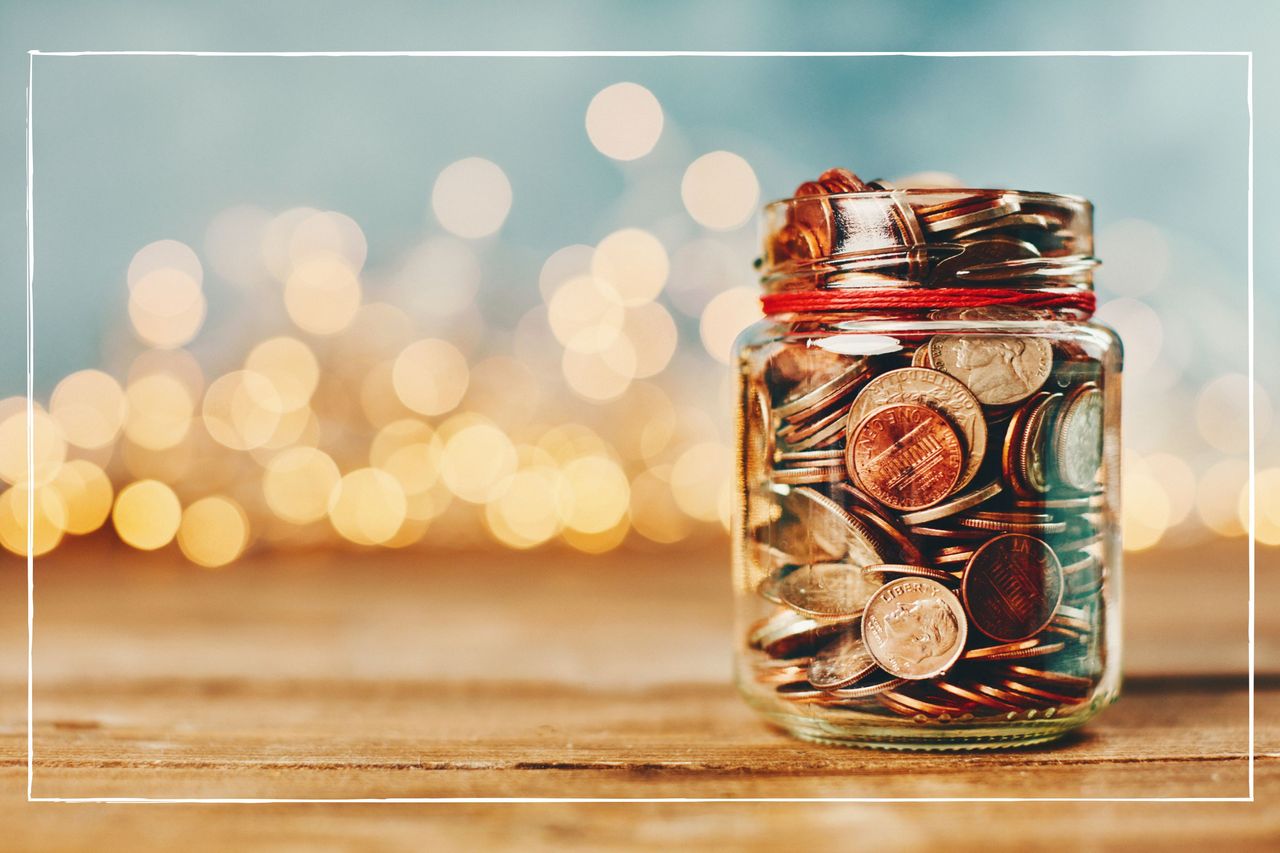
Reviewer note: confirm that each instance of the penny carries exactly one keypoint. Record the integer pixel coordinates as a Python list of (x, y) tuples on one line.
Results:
[(891, 533), (757, 450), (1013, 651), (940, 392), (841, 663), (914, 628), (823, 394), (1078, 440), (1017, 699), (1012, 586), (799, 690), (978, 256), (949, 532), (829, 589), (1037, 693), (955, 505), (997, 369), (1063, 680), (958, 557), (841, 181), (800, 371), (974, 696), (907, 456), (917, 705)]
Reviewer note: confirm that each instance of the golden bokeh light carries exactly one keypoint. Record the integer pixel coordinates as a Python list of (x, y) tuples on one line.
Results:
[(48, 451), (290, 366), (633, 264), (1267, 508), (654, 514), (597, 543), (1145, 515), (146, 515), (89, 407), (241, 410), (178, 363), (471, 197), (584, 315), (720, 190), (726, 315), (624, 121), (568, 441), (297, 484), (439, 278), (595, 496), (160, 411), (367, 507), (430, 376), (213, 532), (327, 232), (166, 308), (411, 451), (164, 255), (322, 294), (1179, 483), (526, 514), (86, 496), (478, 460), (1222, 412), (701, 478), (600, 376), (1218, 496), (652, 333), (47, 511)]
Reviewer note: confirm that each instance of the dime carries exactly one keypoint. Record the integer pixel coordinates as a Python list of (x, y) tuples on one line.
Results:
[(997, 369), (914, 628), (841, 663), (956, 505), (907, 456), (829, 589), (940, 392), (1012, 587), (1032, 459), (875, 683), (1014, 526), (1078, 442), (797, 637), (825, 528), (914, 571), (809, 476)]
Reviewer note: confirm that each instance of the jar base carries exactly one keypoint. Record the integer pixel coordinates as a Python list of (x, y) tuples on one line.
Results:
[(968, 741)]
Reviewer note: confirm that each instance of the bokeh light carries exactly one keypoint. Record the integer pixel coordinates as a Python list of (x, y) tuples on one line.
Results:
[(478, 460), (297, 484), (166, 308), (720, 190), (49, 448), (48, 513), (86, 496), (213, 532), (89, 407), (725, 317), (633, 264), (160, 410), (430, 376), (164, 255), (367, 507), (322, 294), (471, 197), (146, 515), (242, 410), (624, 121)]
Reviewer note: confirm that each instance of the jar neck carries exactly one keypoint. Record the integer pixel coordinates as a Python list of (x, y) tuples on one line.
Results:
[(919, 252)]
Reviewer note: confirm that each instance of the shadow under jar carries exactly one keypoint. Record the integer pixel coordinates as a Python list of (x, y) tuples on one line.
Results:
[(926, 539)]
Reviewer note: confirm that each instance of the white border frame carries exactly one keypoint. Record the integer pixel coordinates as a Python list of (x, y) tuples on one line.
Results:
[(1252, 511)]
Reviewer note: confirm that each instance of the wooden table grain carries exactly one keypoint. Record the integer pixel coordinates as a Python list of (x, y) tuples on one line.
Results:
[(557, 675)]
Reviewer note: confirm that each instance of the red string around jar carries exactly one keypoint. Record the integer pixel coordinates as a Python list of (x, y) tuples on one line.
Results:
[(889, 298)]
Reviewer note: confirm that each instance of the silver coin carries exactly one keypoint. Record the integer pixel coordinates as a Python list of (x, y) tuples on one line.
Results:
[(997, 369)]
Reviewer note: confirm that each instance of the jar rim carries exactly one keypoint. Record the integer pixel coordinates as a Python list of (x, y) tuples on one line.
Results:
[(943, 192)]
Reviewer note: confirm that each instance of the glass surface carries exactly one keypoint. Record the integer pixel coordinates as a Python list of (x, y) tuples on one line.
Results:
[(926, 538)]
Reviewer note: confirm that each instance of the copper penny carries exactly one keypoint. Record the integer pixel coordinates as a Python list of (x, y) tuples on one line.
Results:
[(907, 456), (1012, 586)]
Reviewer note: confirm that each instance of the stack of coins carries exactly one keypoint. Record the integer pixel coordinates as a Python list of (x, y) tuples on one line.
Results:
[(926, 525)]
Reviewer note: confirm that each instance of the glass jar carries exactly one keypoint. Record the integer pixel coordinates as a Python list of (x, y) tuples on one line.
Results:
[(926, 540)]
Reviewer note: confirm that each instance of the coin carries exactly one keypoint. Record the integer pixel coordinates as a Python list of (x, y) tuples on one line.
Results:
[(914, 571), (997, 369), (798, 636), (1038, 693), (958, 504), (841, 663), (907, 456), (940, 392), (1013, 651), (1040, 527), (1012, 586), (824, 528), (916, 705), (1078, 441), (974, 696), (1064, 681), (829, 589), (1033, 447), (875, 683), (891, 533), (914, 628)]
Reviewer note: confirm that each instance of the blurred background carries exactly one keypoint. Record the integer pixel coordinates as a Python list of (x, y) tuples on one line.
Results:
[(487, 303)]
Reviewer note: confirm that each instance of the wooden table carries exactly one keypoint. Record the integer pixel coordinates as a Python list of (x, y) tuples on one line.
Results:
[(559, 675)]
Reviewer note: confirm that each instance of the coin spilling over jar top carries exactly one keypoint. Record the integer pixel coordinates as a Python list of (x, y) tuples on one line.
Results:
[(925, 522)]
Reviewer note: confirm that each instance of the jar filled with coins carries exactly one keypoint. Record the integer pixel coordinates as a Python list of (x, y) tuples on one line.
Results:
[(926, 539)]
